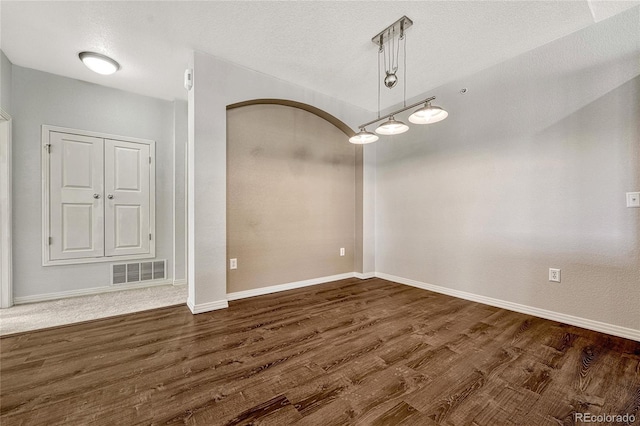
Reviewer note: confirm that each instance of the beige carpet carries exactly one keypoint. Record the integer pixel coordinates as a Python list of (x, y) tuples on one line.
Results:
[(34, 316)]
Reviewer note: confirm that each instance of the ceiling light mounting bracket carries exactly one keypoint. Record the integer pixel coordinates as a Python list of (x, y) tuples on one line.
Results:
[(398, 27)]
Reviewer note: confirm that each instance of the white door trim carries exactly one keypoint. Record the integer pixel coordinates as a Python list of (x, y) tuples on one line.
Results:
[(6, 278)]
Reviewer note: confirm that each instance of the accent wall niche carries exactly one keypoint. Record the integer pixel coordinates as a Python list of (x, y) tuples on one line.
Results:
[(291, 197)]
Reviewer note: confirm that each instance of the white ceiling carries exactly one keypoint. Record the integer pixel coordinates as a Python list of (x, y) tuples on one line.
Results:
[(323, 46)]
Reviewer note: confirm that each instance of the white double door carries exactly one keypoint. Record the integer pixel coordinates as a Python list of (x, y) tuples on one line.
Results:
[(99, 197)]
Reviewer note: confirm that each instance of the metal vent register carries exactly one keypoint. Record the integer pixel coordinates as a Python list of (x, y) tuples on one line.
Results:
[(124, 273)]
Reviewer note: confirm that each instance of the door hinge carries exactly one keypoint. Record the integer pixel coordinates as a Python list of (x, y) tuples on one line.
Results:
[(50, 240), (149, 160), (48, 148), (149, 236)]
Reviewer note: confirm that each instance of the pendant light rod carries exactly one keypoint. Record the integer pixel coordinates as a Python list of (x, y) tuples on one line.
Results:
[(362, 126)]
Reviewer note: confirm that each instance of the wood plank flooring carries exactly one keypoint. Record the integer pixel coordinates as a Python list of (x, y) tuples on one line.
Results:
[(356, 352)]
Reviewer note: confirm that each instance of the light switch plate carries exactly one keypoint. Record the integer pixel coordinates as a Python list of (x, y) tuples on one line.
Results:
[(633, 199)]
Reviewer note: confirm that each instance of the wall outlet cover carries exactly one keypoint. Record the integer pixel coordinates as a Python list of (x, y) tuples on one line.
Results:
[(554, 275), (633, 199)]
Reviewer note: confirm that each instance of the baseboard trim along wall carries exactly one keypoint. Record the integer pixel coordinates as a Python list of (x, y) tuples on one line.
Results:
[(603, 327), (627, 333), (87, 292), (206, 307), (288, 286), (364, 276)]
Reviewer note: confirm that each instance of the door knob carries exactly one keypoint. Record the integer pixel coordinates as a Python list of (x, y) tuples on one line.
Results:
[(110, 196), (96, 196)]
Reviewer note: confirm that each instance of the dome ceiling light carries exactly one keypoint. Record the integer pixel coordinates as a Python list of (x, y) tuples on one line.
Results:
[(98, 63)]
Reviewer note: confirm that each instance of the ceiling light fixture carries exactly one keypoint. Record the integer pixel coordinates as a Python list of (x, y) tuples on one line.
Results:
[(428, 114), (363, 137), (99, 63), (388, 40), (392, 127)]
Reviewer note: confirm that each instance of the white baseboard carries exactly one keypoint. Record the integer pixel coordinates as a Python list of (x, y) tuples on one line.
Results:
[(87, 292), (288, 286), (364, 276), (207, 307), (627, 333), (599, 326)]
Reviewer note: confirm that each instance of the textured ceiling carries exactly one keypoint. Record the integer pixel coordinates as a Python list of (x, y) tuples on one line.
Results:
[(324, 46)]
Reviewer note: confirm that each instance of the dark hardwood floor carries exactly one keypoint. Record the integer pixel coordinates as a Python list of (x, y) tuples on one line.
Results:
[(351, 352)]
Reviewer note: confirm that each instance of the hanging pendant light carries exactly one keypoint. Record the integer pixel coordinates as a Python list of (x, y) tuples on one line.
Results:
[(363, 137), (428, 114), (392, 127), (390, 42)]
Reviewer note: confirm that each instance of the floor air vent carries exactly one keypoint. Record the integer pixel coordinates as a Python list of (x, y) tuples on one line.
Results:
[(125, 273)]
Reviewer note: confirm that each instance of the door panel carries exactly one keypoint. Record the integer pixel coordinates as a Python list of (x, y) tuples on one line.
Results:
[(77, 166), (76, 219), (76, 216), (127, 187), (127, 173), (127, 226)]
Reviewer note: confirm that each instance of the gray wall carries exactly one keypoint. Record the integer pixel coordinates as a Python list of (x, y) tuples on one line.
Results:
[(358, 231), (5, 82), (41, 98), (528, 172), (181, 134), (290, 197)]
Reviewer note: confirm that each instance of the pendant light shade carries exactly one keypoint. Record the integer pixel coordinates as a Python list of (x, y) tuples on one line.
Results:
[(392, 127), (99, 63), (428, 114), (363, 137)]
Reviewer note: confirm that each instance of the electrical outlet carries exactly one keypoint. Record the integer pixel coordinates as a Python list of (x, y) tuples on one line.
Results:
[(554, 275), (633, 199), (233, 263), (342, 251)]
